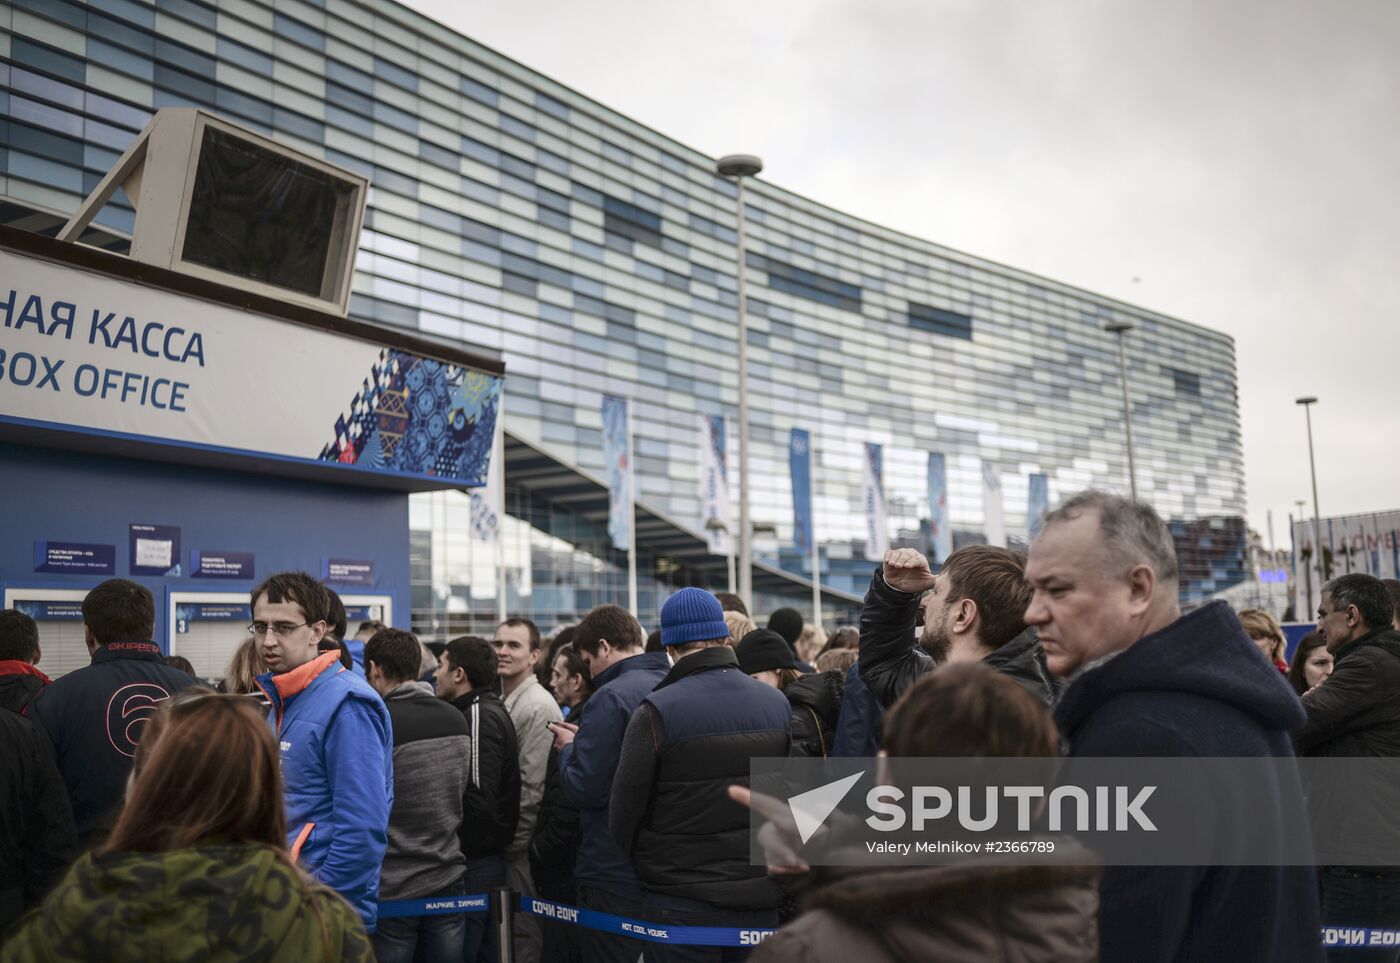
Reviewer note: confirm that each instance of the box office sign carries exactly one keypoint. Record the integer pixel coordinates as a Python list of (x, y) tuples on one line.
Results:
[(83, 352)]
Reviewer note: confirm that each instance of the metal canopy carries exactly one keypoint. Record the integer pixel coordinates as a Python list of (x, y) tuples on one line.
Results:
[(532, 468)]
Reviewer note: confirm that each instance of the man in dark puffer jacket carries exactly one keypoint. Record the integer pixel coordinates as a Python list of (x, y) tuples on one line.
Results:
[(686, 744), (973, 611), (815, 698)]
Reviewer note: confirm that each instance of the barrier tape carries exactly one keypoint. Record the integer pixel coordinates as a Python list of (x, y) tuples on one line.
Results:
[(1334, 936), (1354, 937), (438, 906), (641, 930)]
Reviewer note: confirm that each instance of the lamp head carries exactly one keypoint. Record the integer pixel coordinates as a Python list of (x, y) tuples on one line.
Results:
[(1119, 327), (738, 165), (1310, 400)]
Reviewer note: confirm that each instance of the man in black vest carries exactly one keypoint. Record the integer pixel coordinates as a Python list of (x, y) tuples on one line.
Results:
[(94, 716), (688, 841)]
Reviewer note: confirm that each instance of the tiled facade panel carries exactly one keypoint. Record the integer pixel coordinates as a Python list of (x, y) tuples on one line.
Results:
[(593, 255)]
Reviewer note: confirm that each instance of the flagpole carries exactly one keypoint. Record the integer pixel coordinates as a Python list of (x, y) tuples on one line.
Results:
[(631, 521), (499, 467), (812, 537)]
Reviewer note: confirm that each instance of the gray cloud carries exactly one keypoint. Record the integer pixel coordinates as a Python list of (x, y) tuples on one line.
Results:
[(1239, 157)]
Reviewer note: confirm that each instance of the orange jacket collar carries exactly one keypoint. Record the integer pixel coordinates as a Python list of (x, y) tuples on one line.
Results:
[(290, 683)]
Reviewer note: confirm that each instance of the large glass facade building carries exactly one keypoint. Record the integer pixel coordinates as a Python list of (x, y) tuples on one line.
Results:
[(595, 255)]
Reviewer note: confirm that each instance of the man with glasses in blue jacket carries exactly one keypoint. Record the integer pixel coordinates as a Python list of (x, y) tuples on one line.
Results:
[(336, 742)]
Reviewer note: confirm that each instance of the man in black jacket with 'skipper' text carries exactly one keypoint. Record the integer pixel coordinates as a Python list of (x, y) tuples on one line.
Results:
[(1356, 712), (466, 672), (94, 716)]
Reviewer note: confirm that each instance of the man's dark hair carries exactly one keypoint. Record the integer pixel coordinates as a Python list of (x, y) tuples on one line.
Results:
[(843, 637), (1393, 587), (995, 579), (330, 643), (611, 622), (534, 630), (436, 648), (1366, 592), (732, 603), (120, 610), (574, 665), (335, 623), (180, 662), (19, 636), (372, 626), (654, 642), (474, 656), (396, 652), (300, 589)]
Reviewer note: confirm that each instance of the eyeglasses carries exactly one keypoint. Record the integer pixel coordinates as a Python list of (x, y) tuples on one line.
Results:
[(280, 630)]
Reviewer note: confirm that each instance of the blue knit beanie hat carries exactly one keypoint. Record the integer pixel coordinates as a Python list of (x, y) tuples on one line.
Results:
[(692, 615)]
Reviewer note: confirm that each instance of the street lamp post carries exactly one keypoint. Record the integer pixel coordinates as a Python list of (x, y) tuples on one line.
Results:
[(1307, 403), (739, 167), (1121, 328)]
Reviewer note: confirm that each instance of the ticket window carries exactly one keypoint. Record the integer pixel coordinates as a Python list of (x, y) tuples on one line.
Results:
[(59, 616), (366, 608), (207, 628)]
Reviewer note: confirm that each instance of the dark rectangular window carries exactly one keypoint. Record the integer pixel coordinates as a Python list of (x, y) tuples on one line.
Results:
[(1186, 382), (46, 58), (298, 32), (396, 75), (479, 92), (807, 284), (630, 221), (441, 156), (551, 106), (940, 321)]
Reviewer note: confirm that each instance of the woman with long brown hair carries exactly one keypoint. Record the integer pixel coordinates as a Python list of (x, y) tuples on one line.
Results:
[(197, 866)]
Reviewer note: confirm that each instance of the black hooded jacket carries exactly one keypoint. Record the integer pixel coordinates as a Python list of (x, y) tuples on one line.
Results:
[(1198, 688), (816, 705), (891, 661)]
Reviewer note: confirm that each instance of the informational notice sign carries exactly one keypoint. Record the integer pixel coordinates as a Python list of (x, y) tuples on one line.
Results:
[(51, 611), (363, 613), (155, 550), (212, 564), (86, 353), (347, 571), (210, 612), (75, 558)]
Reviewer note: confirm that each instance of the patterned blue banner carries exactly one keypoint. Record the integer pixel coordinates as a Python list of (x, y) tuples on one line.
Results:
[(617, 456), (940, 529), (800, 464), (1037, 504), (419, 416), (642, 930)]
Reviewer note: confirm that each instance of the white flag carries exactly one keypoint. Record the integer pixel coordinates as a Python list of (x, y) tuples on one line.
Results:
[(991, 505), (877, 540)]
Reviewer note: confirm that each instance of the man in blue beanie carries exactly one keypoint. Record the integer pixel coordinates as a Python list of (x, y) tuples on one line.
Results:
[(687, 743)]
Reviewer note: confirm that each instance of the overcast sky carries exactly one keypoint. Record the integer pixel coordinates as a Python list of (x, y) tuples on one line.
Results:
[(1241, 159)]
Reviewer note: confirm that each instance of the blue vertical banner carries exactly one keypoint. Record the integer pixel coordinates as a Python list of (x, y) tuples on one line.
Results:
[(877, 539), (940, 529), (617, 455), (800, 466), (713, 451), (1037, 503)]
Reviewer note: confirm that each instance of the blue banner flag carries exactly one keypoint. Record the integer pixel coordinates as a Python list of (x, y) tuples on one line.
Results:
[(1037, 504), (714, 484), (617, 456), (800, 464), (940, 530), (877, 540)]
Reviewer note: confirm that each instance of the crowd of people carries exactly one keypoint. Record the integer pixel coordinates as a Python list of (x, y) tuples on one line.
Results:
[(330, 777)]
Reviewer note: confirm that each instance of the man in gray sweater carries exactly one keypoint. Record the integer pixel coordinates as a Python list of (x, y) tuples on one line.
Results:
[(431, 754)]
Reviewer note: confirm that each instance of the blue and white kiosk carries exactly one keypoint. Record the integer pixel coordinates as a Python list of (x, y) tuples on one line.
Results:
[(202, 413)]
